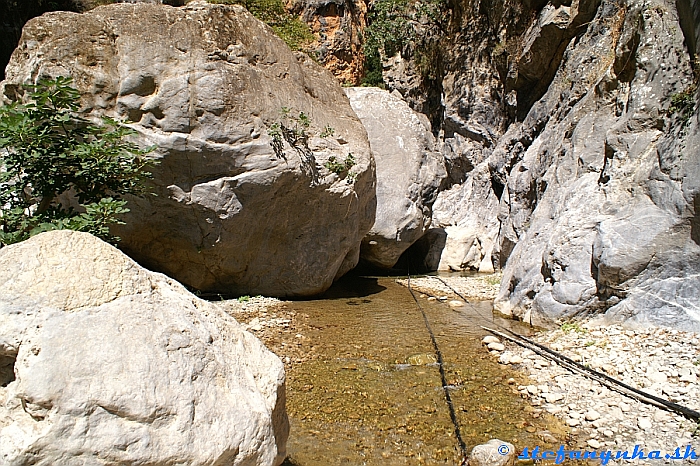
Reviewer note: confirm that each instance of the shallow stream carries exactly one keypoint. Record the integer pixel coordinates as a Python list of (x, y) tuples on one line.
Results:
[(372, 394)]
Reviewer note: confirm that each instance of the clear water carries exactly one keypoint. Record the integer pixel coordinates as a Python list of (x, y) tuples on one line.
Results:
[(373, 395)]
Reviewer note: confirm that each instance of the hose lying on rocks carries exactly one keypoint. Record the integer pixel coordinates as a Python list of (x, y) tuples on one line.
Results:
[(597, 376), (574, 366)]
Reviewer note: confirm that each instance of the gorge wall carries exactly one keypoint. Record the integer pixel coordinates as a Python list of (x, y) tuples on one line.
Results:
[(570, 132)]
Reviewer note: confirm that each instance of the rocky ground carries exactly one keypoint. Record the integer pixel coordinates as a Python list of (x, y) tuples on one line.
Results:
[(659, 361), (478, 287), (282, 330)]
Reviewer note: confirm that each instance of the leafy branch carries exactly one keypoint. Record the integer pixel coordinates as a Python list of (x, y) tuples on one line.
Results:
[(51, 158)]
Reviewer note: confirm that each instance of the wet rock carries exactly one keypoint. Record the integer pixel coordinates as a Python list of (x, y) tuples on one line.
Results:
[(421, 359)]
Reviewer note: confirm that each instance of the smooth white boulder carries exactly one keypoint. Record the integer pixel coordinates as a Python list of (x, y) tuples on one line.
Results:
[(114, 364)]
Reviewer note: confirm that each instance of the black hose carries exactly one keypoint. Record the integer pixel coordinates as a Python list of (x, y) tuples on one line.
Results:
[(574, 366), (443, 377)]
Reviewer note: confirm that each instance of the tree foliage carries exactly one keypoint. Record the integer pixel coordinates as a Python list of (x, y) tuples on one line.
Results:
[(292, 30), (395, 25), (59, 170)]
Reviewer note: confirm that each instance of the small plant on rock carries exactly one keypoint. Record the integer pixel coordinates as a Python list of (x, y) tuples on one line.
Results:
[(338, 167), (572, 326), (295, 130), (59, 170)]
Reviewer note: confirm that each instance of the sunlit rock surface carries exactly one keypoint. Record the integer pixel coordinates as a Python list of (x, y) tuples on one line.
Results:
[(205, 83), (105, 360)]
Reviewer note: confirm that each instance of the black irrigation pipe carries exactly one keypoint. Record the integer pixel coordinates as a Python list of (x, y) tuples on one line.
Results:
[(443, 377), (598, 376), (574, 366)]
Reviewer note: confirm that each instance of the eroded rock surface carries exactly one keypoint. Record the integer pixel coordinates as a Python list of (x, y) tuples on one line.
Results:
[(205, 83), (338, 26), (571, 143), (123, 366), (409, 173)]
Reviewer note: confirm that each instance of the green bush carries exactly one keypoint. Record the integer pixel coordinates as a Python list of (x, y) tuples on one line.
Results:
[(392, 25), (293, 31), (49, 154), (683, 104)]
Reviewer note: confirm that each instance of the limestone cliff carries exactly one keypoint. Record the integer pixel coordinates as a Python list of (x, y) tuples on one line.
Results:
[(338, 26), (570, 132)]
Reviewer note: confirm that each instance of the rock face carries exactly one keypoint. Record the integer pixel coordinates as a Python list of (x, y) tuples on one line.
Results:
[(571, 143), (338, 26), (205, 84), (409, 173), (602, 202), (123, 366)]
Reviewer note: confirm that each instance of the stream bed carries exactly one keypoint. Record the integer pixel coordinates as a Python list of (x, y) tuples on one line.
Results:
[(369, 390)]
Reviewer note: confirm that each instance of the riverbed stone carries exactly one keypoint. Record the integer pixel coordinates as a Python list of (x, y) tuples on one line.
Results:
[(496, 346), (409, 172), (493, 453), (592, 415), (644, 423), (490, 339), (205, 84), (120, 365)]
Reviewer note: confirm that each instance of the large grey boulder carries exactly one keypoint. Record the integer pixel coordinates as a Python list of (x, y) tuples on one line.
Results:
[(108, 363), (409, 172), (465, 213), (205, 83)]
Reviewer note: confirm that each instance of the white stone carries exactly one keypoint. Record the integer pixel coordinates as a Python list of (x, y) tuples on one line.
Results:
[(553, 397), (592, 415), (593, 443), (644, 423), (493, 453), (119, 365), (496, 346)]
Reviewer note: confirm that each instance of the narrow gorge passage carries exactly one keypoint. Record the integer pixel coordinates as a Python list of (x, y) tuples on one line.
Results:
[(370, 391)]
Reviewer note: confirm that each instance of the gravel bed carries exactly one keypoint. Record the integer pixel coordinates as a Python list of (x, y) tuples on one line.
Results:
[(659, 361), (479, 287), (282, 330)]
